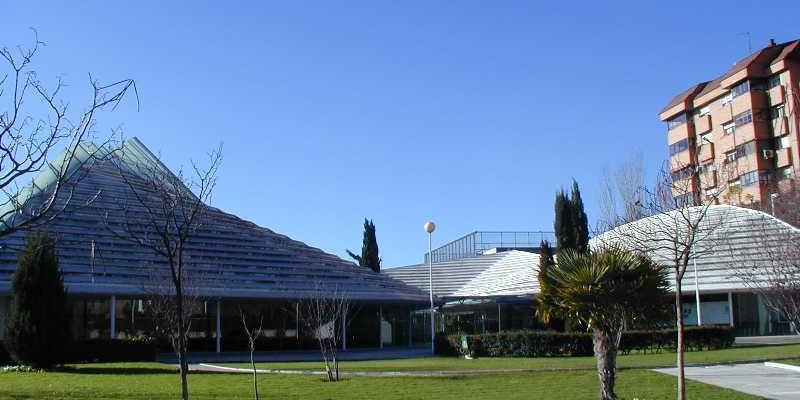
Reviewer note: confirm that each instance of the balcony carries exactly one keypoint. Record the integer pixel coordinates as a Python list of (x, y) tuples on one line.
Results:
[(705, 152), (781, 126), (708, 179), (702, 124), (783, 157), (776, 95), (681, 160)]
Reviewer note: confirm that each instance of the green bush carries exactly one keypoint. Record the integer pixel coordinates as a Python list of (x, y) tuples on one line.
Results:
[(557, 344), (37, 329), (111, 350)]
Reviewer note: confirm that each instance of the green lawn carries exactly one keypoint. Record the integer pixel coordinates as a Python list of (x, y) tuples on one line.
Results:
[(791, 361), (156, 381), (761, 353)]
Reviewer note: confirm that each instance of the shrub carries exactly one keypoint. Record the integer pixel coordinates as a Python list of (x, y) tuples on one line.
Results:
[(37, 330), (557, 344), (111, 350)]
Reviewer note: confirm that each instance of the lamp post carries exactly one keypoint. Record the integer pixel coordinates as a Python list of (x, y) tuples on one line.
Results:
[(430, 227), (772, 202)]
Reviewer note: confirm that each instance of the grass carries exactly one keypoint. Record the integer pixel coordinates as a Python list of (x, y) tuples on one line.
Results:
[(739, 354), (156, 381), (791, 361)]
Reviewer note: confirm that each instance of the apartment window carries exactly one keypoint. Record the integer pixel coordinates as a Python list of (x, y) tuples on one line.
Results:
[(726, 99), (749, 178), (782, 143), (684, 200), (711, 193), (728, 127), (704, 139), (773, 81), (680, 119), (705, 111), (734, 184), (678, 147), (708, 167), (777, 111), (682, 173), (743, 118), (740, 89), (784, 173), (740, 151)]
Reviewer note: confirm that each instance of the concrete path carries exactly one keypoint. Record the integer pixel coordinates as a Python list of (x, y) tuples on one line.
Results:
[(756, 379), (219, 368)]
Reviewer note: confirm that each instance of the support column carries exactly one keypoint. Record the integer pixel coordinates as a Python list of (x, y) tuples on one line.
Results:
[(219, 326), (297, 320), (499, 317), (113, 328), (380, 326), (410, 328), (730, 307), (344, 330)]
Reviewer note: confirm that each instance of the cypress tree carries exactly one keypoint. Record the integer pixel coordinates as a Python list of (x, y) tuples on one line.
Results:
[(369, 249), (580, 221), (37, 329), (563, 225)]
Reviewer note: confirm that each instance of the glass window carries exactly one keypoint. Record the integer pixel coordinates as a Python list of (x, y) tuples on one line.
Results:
[(777, 111), (680, 119), (678, 146), (784, 173), (782, 143), (773, 81), (743, 118), (740, 89), (728, 127), (749, 178), (705, 110)]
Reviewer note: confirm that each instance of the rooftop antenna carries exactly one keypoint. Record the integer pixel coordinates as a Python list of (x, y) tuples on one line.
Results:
[(749, 44)]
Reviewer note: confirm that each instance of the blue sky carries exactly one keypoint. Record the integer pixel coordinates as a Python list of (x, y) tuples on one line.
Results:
[(470, 113)]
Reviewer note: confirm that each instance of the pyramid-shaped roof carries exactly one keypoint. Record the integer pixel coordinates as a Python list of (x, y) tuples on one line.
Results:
[(505, 274), (228, 256)]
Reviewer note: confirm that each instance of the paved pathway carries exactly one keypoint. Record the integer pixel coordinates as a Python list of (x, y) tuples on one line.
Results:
[(766, 340), (219, 368), (301, 355), (756, 379)]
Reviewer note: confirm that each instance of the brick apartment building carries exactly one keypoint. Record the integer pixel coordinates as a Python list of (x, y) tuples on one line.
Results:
[(735, 139)]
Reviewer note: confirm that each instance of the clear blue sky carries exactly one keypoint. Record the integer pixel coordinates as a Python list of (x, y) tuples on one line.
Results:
[(469, 113)]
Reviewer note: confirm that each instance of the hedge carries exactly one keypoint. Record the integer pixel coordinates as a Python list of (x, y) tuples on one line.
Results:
[(111, 350), (557, 344)]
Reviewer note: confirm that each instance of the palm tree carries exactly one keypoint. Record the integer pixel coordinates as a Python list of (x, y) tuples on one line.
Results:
[(603, 290)]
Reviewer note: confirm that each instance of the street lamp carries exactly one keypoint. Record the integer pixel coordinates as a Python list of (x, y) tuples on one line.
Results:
[(772, 202), (430, 227)]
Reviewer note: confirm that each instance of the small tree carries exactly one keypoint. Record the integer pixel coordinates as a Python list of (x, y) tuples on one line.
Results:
[(324, 315), (369, 249), (602, 290), (580, 222), (252, 335), (571, 224), (37, 329)]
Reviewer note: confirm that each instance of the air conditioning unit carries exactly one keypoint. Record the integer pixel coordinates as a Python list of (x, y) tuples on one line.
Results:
[(768, 154)]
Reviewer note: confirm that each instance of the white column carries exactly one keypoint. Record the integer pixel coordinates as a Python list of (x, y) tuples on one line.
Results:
[(697, 294), (344, 331), (730, 307), (297, 320), (113, 327), (380, 325), (219, 326), (499, 316)]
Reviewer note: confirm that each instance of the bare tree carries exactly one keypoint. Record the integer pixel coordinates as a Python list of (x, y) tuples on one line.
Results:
[(773, 272), (678, 228), (324, 315), (161, 211), (252, 336), (622, 194), (29, 135)]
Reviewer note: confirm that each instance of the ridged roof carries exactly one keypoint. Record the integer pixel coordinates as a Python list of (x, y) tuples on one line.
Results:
[(508, 273), (730, 238), (227, 256)]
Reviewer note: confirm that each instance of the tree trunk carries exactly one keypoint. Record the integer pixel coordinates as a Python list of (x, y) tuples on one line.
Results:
[(181, 350), (680, 363), (253, 365), (605, 351)]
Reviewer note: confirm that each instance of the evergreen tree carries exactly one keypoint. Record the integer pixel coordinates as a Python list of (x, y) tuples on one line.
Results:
[(563, 225), (580, 221), (37, 329), (369, 249)]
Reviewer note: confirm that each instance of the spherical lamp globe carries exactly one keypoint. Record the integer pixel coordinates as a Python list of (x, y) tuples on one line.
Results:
[(430, 227)]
